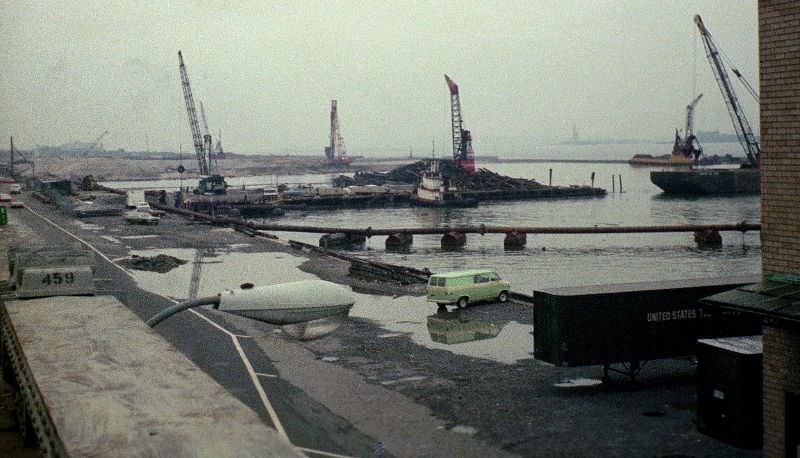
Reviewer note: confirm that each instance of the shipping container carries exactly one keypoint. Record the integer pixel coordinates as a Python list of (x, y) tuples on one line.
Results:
[(729, 381), (634, 322)]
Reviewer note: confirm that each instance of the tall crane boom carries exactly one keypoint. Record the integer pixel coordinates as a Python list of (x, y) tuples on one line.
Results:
[(740, 124), (689, 131), (463, 155), (97, 141), (336, 151), (208, 142), (197, 137)]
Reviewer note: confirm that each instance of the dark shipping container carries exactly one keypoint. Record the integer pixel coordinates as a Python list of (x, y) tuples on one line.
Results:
[(729, 387), (633, 322)]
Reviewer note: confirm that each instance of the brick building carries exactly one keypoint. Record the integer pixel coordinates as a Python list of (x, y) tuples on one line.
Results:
[(779, 56), (777, 298)]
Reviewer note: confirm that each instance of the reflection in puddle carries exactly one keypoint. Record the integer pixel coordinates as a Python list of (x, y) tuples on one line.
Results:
[(410, 315), (457, 327), (400, 316)]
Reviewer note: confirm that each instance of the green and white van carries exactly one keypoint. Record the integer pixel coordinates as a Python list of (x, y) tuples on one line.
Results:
[(467, 286)]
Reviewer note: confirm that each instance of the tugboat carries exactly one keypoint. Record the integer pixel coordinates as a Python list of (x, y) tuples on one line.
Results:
[(433, 191)]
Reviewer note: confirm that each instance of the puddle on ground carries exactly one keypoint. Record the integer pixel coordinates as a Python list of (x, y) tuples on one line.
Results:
[(456, 332), (415, 378), (219, 270), (88, 226), (463, 429), (578, 382)]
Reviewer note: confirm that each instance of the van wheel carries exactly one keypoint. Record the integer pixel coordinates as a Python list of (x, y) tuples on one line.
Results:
[(462, 302), (503, 296)]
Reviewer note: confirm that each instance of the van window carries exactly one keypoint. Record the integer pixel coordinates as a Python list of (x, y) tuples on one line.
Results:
[(481, 278), (494, 277), (442, 281), (436, 281)]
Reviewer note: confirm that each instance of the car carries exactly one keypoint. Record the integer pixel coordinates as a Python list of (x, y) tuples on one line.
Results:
[(17, 204), (15, 188), (466, 287), (6, 197)]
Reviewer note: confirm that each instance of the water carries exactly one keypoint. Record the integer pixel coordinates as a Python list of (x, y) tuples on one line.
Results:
[(568, 260), (563, 260), (548, 260)]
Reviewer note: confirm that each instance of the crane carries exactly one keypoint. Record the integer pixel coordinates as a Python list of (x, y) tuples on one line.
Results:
[(218, 149), (197, 137), (463, 155), (212, 182), (97, 141), (740, 124), (208, 142), (688, 146), (336, 151)]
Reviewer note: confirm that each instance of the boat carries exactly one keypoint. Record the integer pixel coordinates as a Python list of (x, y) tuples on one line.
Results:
[(708, 181), (700, 181), (140, 217), (433, 191)]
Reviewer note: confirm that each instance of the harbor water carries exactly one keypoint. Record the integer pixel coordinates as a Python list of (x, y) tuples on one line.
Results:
[(547, 261)]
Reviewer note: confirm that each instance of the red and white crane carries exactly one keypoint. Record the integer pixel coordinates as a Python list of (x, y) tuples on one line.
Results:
[(463, 155)]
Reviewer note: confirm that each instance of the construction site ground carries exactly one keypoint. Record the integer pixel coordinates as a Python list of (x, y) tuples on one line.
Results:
[(362, 390)]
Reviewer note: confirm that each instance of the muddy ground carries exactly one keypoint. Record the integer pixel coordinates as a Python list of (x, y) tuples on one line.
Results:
[(527, 408)]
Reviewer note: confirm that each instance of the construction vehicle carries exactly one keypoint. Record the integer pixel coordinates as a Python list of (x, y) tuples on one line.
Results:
[(740, 124), (688, 146), (463, 155), (336, 153), (211, 181), (740, 181)]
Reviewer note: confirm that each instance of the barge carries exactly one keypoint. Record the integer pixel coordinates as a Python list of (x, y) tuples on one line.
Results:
[(708, 181)]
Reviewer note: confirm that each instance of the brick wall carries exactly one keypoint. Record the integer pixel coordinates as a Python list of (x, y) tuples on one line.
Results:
[(781, 374), (779, 56)]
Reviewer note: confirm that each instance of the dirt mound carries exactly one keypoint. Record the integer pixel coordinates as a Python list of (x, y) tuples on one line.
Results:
[(481, 180), (161, 263)]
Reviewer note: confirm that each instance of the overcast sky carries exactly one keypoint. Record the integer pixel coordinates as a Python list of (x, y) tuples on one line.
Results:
[(267, 71)]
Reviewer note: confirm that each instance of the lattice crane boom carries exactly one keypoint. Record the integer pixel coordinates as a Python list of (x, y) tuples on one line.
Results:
[(336, 151), (689, 131), (463, 155), (740, 124), (197, 137), (208, 142)]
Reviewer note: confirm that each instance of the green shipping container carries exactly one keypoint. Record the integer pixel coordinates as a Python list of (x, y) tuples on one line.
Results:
[(3, 215), (632, 322)]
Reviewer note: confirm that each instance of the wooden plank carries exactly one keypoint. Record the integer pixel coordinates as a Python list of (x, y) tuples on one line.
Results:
[(113, 387)]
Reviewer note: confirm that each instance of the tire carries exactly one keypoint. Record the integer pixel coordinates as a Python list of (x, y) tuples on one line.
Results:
[(503, 296), (462, 302)]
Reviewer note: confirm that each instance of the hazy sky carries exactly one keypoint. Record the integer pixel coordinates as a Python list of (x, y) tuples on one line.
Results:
[(267, 71)]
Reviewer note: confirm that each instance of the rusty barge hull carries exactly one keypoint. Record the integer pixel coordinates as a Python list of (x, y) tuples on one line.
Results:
[(708, 181)]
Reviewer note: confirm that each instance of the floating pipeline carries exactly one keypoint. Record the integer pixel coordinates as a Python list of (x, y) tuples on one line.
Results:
[(480, 229)]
